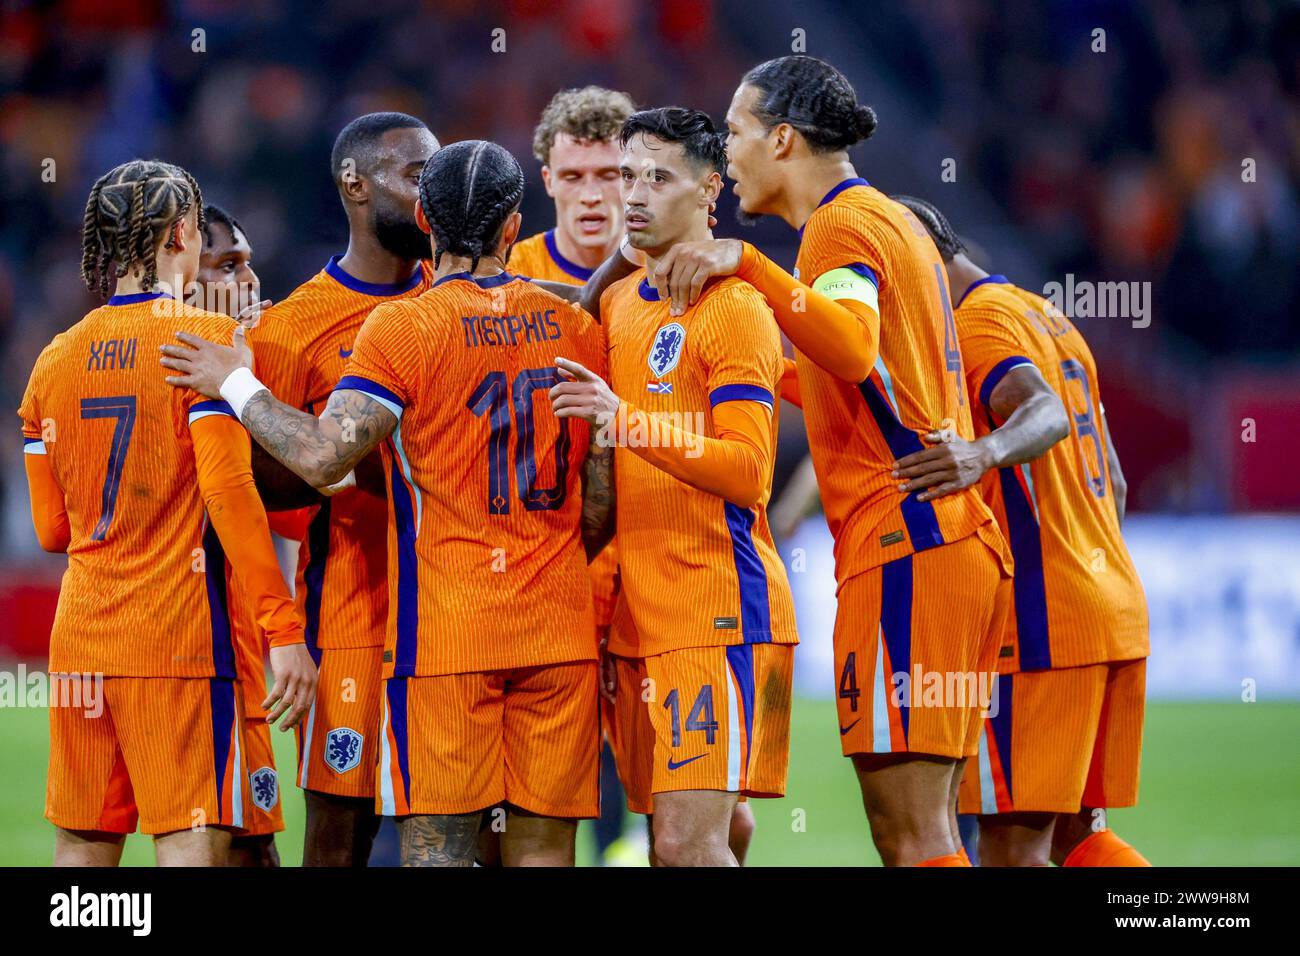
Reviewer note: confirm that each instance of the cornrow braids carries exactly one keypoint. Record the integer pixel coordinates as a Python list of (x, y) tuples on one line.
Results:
[(814, 98), (467, 192), (936, 224), (129, 210), (215, 214)]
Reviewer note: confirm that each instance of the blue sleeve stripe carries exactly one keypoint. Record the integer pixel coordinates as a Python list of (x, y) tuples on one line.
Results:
[(865, 271), (997, 373), (213, 407), (740, 393), (376, 391), (33, 446)]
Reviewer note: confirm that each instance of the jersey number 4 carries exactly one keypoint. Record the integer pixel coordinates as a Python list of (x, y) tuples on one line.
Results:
[(122, 408), (494, 398)]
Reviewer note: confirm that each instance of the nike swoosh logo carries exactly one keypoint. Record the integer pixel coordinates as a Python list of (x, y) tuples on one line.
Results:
[(674, 764), (344, 353), (845, 730)]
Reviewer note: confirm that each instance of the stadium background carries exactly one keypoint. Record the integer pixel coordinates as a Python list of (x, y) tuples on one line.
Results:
[(1117, 165)]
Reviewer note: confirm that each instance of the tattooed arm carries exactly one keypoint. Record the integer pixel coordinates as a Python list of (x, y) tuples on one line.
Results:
[(597, 497), (322, 450)]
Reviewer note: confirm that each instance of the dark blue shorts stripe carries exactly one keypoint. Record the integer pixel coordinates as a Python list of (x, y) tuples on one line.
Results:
[(1002, 730), (221, 696), (1029, 589), (896, 623), (740, 657), (396, 688)]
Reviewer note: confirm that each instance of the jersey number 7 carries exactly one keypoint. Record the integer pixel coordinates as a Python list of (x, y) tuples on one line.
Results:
[(121, 407), (490, 398)]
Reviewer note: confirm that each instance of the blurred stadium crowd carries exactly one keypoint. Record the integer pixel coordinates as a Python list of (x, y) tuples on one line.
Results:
[(1125, 164)]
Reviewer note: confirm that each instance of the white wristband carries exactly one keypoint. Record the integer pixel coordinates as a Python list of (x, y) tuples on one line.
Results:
[(239, 386)]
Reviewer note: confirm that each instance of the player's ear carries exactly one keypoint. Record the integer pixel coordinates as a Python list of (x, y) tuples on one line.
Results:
[(176, 238), (712, 189), (510, 231), (782, 140), (546, 180), (420, 220)]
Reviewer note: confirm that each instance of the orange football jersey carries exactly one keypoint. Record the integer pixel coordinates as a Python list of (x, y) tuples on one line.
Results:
[(697, 571), (300, 349), (1078, 599), (486, 567), (146, 589), (539, 258), (856, 432)]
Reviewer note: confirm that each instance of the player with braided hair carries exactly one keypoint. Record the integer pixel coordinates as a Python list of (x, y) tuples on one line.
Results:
[(923, 584), (149, 491), (490, 689)]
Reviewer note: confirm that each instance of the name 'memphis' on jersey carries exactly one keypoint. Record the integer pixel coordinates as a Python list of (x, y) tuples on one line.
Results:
[(486, 565)]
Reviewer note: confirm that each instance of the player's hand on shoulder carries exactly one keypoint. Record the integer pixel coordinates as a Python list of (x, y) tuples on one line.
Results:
[(950, 466), (583, 394), (680, 275), (294, 689), (204, 365)]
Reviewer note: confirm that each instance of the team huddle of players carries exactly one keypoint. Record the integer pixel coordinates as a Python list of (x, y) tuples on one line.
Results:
[(530, 484)]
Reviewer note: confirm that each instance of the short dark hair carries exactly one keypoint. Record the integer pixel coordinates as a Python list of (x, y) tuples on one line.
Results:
[(357, 140), (814, 98), (936, 224), (214, 213), (467, 191), (674, 124)]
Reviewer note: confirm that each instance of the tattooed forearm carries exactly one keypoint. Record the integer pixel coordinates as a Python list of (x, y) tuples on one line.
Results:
[(319, 450), (597, 499), (429, 840)]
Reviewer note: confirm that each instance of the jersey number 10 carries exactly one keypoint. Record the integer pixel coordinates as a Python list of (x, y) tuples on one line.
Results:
[(494, 397)]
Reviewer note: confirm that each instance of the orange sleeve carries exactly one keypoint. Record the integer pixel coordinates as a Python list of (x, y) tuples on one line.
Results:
[(49, 512), (222, 453), (387, 358), (991, 346), (840, 335), (736, 465)]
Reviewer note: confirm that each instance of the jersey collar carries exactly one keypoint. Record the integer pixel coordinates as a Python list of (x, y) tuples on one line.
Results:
[(568, 265), (483, 282), (971, 287), (835, 191), (647, 291), (134, 297), (347, 280)]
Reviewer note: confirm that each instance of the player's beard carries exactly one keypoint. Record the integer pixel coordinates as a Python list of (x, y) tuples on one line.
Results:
[(399, 233), (747, 218)]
